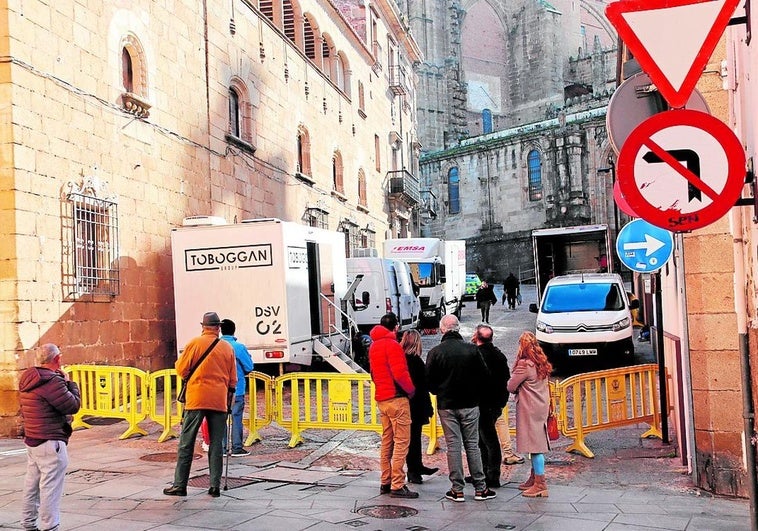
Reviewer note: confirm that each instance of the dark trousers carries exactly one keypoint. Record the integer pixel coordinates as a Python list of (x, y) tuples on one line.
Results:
[(489, 444), (413, 459), (485, 307)]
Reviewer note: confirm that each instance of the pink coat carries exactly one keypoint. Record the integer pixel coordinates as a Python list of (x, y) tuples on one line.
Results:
[(532, 406)]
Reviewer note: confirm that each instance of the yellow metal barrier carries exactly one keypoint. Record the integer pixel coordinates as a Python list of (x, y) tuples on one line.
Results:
[(261, 406), (166, 411), (433, 430), (604, 400), (325, 401), (111, 392), (333, 401)]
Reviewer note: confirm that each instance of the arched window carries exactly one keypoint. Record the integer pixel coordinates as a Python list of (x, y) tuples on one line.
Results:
[(337, 179), (453, 191), (486, 121), (362, 199), (234, 114), (288, 16), (534, 163), (303, 152), (126, 70), (327, 56), (240, 115), (134, 77)]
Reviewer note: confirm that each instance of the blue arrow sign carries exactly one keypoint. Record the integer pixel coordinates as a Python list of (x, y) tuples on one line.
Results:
[(643, 247)]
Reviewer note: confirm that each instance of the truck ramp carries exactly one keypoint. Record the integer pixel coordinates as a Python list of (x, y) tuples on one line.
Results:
[(335, 357)]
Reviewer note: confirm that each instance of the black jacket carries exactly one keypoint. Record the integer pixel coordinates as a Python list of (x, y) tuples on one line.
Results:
[(495, 393), (455, 372), (486, 294), (421, 403)]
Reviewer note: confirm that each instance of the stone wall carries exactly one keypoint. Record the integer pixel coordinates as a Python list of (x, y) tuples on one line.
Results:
[(65, 125)]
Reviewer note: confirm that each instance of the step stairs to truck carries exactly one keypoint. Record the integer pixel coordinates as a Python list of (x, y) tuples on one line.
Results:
[(335, 357)]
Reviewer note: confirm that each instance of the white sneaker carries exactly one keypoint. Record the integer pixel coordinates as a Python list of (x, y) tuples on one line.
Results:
[(205, 447)]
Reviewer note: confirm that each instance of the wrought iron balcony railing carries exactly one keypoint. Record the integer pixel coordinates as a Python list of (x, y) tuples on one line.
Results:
[(404, 185)]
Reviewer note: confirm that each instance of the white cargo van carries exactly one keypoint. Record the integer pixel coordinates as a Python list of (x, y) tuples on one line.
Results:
[(281, 282), (438, 268), (386, 286), (584, 322)]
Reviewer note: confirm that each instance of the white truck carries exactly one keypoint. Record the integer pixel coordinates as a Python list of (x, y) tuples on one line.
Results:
[(386, 286), (567, 250), (438, 268), (282, 283)]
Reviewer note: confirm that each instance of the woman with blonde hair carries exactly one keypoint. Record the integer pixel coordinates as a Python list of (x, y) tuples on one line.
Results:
[(421, 406), (529, 383)]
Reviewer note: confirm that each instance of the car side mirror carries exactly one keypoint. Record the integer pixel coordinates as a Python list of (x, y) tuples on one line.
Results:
[(533, 308), (366, 297)]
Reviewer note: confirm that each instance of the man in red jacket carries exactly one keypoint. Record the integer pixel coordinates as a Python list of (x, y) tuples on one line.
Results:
[(392, 389), (47, 397)]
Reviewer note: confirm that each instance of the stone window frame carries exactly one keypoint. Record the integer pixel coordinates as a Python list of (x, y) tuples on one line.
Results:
[(134, 95), (362, 191), (91, 251), (303, 151), (243, 137), (338, 175)]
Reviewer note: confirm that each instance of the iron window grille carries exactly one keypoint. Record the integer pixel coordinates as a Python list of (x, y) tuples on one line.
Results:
[(92, 265)]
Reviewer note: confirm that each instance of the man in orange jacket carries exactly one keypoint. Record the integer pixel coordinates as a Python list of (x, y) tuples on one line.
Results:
[(209, 391), (392, 389)]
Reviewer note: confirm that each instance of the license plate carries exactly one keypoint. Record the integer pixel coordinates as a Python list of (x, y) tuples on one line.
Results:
[(582, 352)]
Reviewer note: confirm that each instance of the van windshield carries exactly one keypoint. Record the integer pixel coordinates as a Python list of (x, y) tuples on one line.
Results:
[(423, 273), (583, 298)]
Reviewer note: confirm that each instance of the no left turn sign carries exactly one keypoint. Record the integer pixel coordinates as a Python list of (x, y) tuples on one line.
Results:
[(681, 170)]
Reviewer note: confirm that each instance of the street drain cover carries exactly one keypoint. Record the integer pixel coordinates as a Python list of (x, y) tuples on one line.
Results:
[(163, 457), (387, 512), (204, 481)]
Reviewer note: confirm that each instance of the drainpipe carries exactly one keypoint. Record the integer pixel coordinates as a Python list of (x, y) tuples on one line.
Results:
[(740, 307), (686, 360)]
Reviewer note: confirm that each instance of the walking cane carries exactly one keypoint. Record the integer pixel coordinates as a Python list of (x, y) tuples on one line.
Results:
[(230, 397)]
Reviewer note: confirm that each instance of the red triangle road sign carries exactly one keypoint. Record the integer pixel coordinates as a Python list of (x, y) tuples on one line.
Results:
[(672, 39)]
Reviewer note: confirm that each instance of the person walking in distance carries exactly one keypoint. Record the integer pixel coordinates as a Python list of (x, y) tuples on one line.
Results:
[(392, 389), (48, 397), (455, 372), (511, 289), (244, 367), (485, 298), (529, 382), (210, 391), (494, 398), (421, 406)]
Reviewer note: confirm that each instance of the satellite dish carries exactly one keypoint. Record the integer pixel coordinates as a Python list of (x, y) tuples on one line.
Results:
[(636, 100)]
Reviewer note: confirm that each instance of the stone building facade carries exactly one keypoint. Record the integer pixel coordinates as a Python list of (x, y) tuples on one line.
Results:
[(135, 115), (512, 108)]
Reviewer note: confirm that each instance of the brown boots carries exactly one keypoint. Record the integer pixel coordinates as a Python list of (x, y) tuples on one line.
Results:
[(528, 483), (538, 489)]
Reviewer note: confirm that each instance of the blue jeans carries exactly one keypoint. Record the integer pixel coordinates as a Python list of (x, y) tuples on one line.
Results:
[(461, 429), (237, 411), (186, 449), (43, 488)]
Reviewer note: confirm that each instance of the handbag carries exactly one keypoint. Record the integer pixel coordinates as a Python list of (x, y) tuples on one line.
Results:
[(552, 424), (182, 396)]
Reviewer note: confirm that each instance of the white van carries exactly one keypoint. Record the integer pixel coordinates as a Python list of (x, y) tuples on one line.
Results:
[(386, 287), (584, 322)]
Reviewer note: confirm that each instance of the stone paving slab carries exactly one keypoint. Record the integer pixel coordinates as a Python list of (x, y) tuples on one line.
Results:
[(109, 487)]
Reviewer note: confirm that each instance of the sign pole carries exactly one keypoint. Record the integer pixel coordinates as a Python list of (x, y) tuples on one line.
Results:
[(662, 381)]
